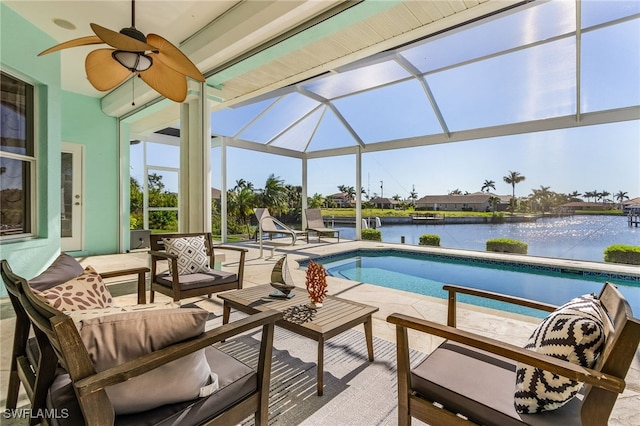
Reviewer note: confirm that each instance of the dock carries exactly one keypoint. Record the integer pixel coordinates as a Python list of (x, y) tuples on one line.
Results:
[(634, 216), (427, 218)]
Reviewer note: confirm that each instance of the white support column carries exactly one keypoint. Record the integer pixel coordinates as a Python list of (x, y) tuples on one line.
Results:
[(358, 193), (304, 192), (223, 189), (145, 188), (183, 177), (195, 166), (205, 129)]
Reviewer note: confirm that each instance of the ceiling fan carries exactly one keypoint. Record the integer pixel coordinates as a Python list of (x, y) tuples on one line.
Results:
[(154, 59)]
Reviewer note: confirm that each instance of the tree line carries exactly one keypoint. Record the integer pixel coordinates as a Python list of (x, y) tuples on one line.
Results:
[(285, 201)]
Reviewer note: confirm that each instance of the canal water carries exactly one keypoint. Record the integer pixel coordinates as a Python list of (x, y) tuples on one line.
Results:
[(580, 237)]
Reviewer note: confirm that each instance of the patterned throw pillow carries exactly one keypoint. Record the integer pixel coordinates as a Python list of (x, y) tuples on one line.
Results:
[(86, 291), (575, 333), (191, 252)]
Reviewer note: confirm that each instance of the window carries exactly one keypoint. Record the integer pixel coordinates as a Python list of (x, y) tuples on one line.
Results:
[(17, 157), (155, 185)]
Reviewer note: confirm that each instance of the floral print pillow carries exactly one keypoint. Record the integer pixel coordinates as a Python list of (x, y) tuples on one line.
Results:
[(86, 291)]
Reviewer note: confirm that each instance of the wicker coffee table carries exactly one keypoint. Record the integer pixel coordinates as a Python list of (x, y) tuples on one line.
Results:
[(334, 317)]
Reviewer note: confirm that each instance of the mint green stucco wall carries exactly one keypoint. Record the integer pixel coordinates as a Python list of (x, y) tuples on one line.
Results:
[(81, 120)]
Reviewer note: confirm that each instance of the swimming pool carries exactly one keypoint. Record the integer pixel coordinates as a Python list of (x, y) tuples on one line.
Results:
[(425, 274)]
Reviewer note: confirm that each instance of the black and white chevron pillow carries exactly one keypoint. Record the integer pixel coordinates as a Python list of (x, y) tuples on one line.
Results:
[(574, 333), (191, 252)]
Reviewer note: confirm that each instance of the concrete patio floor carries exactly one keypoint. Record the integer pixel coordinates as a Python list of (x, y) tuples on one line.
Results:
[(508, 327)]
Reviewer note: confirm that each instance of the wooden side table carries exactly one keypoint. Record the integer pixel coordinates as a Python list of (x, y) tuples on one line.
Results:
[(336, 316)]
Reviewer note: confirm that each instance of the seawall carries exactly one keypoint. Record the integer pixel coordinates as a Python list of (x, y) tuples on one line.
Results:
[(436, 220)]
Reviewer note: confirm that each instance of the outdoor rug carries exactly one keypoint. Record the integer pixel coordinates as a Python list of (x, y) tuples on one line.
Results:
[(356, 391)]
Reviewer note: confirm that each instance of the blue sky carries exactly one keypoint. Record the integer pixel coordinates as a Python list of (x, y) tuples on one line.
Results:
[(603, 157)]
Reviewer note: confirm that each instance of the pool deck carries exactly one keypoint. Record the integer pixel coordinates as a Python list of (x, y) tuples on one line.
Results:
[(509, 327)]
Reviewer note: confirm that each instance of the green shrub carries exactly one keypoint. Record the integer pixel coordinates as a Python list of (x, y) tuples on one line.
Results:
[(619, 253), (430, 240), (371, 235), (133, 222), (505, 245)]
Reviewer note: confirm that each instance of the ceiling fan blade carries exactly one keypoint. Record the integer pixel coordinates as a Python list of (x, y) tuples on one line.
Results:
[(103, 72), (166, 81), (82, 41), (120, 41), (172, 57)]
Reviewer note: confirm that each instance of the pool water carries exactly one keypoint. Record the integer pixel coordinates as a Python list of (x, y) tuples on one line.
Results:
[(426, 274)]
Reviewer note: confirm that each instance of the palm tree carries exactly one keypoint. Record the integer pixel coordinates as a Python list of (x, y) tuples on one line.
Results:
[(574, 196), (294, 202), (603, 196), (241, 183), (512, 179), (316, 201), (294, 195), (542, 197), (413, 196), (494, 201), (350, 191), (597, 195), (488, 184), (241, 203), (621, 196), (274, 195), (455, 192)]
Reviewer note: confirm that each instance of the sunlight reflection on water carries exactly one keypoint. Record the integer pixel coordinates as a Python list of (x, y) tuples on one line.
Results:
[(581, 237)]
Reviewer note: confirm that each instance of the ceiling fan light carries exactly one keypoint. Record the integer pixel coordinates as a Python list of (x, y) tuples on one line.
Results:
[(133, 61)]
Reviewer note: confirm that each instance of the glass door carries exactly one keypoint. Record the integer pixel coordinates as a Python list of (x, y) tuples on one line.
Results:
[(71, 198)]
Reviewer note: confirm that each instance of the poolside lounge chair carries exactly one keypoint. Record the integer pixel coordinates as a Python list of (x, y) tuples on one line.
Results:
[(268, 224), (316, 224), (473, 377)]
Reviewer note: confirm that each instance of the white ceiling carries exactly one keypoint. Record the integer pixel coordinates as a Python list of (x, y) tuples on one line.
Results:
[(165, 18), (176, 21)]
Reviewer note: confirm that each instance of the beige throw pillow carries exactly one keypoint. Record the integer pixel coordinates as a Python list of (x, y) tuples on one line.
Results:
[(116, 338), (87, 314)]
